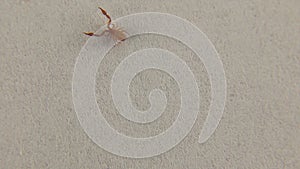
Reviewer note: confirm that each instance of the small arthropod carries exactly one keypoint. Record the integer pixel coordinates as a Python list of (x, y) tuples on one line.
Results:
[(117, 33)]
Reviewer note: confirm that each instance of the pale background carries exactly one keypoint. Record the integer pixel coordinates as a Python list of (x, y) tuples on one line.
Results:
[(259, 45)]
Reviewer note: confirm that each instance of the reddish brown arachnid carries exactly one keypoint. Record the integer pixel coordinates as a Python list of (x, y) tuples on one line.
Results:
[(117, 33)]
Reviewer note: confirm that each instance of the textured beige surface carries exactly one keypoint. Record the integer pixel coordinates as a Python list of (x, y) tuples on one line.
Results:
[(258, 42)]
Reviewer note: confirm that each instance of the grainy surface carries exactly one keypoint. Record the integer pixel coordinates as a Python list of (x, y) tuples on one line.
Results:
[(259, 45)]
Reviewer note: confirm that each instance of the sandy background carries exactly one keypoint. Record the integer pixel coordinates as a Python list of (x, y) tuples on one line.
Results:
[(259, 45)]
